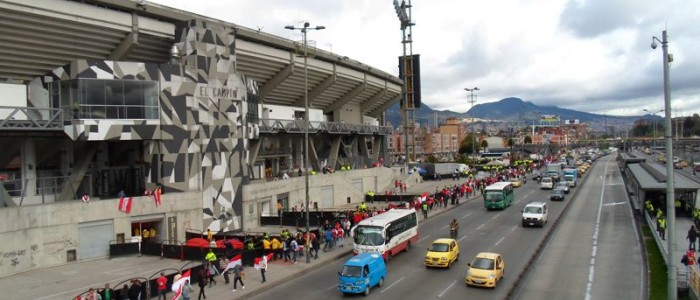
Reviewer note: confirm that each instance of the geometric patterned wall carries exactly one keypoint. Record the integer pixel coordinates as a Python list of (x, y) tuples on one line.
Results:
[(201, 141)]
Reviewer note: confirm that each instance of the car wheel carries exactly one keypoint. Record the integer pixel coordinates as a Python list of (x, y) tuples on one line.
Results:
[(449, 263), (381, 282), (367, 291), (457, 258)]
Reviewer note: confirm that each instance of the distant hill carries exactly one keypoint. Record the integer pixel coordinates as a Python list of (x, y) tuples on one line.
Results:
[(515, 109)]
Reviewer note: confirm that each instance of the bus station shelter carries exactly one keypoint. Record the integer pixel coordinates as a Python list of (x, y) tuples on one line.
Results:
[(647, 181)]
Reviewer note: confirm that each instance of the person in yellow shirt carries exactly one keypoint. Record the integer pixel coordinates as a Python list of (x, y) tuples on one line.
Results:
[(267, 247), (153, 234), (210, 235), (276, 248), (145, 234)]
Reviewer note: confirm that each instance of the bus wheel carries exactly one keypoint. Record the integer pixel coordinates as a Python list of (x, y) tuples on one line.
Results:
[(408, 246)]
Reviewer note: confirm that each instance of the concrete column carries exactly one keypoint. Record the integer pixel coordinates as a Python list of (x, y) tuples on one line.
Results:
[(28, 154), (67, 158)]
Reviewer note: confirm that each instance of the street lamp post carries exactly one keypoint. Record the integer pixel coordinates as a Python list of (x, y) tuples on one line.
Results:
[(654, 125), (471, 100), (670, 193), (304, 30)]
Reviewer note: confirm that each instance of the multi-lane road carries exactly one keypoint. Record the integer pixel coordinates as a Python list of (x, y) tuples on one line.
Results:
[(593, 252)]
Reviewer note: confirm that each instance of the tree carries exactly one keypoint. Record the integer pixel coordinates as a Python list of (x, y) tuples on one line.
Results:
[(527, 139), (465, 147), (510, 142), (484, 144)]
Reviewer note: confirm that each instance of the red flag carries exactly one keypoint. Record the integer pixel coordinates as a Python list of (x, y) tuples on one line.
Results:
[(236, 260), (156, 196), (125, 204), (257, 261), (179, 284)]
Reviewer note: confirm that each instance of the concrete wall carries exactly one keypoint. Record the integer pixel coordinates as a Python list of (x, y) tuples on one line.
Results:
[(342, 188), (39, 236)]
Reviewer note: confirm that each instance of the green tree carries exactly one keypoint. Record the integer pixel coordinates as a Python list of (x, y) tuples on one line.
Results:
[(527, 139), (465, 147), (484, 144)]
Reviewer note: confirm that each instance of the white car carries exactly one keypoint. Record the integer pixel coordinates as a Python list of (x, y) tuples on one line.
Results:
[(535, 214), (547, 183)]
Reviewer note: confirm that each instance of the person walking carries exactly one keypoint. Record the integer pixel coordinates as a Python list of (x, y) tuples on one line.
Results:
[(294, 247), (315, 245), (692, 237), (162, 285), (202, 282), (211, 272), (661, 227), (222, 264), (263, 267), (238, 277)]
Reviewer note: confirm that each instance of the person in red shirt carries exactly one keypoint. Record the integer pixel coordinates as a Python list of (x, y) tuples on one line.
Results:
[(162, 284)]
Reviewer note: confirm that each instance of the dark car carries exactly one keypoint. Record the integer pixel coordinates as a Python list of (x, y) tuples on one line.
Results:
[(557, 195), (536, 175), (562, 185)]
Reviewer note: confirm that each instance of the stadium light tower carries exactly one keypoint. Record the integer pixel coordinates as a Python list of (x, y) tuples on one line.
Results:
[(304, 30)]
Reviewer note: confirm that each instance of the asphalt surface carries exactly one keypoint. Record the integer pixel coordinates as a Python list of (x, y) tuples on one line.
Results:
[(594, 252), (408, 278)]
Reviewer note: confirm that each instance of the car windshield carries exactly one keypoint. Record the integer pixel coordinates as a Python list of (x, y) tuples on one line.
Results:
[(557, 191), (369, 235), (439, 247), (533, 210), (483, 263), (351, 271)]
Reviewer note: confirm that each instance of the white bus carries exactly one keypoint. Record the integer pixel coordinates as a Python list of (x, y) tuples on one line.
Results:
[(387, 233)]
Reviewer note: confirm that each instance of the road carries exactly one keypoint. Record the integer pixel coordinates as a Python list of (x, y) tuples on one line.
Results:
[(480, 230), (594, 252)]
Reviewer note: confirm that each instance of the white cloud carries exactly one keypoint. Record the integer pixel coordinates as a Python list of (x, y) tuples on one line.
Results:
[(587, 55)]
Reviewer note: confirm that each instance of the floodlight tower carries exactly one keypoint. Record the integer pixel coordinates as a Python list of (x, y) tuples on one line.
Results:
[(403, 11)]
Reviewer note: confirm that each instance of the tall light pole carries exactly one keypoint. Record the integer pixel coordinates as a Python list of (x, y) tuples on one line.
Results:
[(304, 30), (471, 100), (654, 125), (670, 193)]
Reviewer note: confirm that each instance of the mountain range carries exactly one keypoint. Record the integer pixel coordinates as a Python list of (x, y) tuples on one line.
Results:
[(516, 110)]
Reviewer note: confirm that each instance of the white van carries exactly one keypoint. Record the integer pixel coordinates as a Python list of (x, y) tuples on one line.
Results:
[(535, 214), (547, 183)]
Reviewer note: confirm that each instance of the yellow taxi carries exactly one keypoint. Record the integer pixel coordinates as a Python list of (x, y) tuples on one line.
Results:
[(442, 253), (486, 270), (516, 182)]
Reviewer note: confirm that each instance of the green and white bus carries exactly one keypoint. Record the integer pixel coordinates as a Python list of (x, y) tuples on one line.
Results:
[(499, 195)]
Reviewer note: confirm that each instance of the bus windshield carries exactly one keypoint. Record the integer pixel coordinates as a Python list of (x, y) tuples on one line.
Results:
[(493, 196), (369, 235)]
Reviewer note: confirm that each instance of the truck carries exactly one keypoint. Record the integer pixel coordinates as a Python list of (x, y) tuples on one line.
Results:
[(554, 171), (439, 170), (571, 176)]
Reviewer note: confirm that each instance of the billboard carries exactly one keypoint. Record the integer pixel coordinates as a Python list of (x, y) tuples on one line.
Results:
[(413, 83), (571, 122), (549, 118)]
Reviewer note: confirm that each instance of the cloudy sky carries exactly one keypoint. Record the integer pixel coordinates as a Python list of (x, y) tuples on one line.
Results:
[(587, 55)]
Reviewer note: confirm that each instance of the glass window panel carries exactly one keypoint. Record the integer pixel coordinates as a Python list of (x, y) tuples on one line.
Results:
[(134, 112), (93, 92), (98, 112), (151, 112), (133, 92), (150, 93), (112, 112), (114, 92)]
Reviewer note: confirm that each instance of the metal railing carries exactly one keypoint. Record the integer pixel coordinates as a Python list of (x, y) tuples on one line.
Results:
[(31, 118), (297, 126)]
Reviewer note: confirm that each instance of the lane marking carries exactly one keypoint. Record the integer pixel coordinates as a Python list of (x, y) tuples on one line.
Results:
[(496, 216), (460, 240), (614, 203), (469, 214), (501, 240), (448, 287), (594, 248), (514, 228), (332, 287), (482, 225), (444, 227), (388, 287), (425, 237)]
